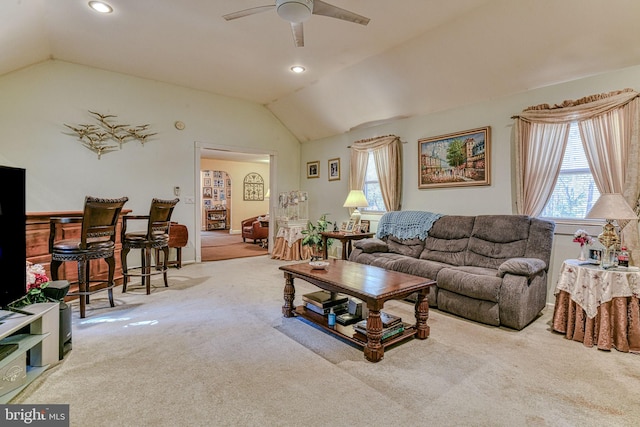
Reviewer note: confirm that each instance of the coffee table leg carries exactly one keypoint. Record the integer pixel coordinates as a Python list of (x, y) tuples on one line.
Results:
[(289, 295), (374, 351), (422, 315)]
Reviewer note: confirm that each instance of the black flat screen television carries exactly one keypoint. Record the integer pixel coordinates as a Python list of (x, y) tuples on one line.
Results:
[(13, 245)]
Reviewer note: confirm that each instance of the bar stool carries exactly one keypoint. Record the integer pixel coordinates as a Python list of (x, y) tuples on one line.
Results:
[(156, 237), (97, 241)]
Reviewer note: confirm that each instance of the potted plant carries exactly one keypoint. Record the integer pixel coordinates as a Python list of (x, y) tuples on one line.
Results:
[(313, 237)]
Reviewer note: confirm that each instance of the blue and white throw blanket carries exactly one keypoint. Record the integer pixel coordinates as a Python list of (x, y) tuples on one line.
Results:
[(406, 224)]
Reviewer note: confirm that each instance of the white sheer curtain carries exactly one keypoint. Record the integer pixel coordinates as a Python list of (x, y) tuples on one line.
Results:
[(387, 155), (539, 152), (608, 126), (607, 143)]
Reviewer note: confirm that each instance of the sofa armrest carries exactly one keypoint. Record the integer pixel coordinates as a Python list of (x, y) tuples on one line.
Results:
[(522, 267), (371, 245), (248, 221)]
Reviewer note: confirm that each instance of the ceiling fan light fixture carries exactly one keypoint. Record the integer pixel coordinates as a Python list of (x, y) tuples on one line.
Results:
[(100, 6), (295, 11)]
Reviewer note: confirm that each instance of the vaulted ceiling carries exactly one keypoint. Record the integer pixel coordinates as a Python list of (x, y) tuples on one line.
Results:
[(414, 57)]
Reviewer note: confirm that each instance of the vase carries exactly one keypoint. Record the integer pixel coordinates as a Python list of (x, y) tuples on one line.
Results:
[(583, 253)]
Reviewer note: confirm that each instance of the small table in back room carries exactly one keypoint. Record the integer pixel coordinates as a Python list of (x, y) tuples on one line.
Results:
[(345, 239)]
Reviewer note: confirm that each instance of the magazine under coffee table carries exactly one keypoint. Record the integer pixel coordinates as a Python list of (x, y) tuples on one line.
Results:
[(373, 285)]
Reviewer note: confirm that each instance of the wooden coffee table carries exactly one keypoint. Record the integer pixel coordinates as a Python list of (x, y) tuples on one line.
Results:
[(374, 286)]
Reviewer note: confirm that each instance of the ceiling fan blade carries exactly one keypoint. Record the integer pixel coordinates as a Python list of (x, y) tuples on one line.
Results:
[(247, 12), (326, 9), (298, 34)]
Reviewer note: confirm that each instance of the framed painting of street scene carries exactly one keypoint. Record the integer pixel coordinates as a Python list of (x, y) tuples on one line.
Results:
[(455, 160)]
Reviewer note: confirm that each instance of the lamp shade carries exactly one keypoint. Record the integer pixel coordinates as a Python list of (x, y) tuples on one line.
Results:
[(612, 206), (266, 196), (356, 199)]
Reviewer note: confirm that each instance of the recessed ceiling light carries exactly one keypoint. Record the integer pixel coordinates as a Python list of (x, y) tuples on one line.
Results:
[(298, 69), (100, 6)]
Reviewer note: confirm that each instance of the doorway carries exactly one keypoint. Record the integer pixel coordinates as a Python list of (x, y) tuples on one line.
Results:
[(235, 162)]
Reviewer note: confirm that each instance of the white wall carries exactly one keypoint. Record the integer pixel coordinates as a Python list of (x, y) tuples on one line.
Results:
[(37, 101), (497, 198)]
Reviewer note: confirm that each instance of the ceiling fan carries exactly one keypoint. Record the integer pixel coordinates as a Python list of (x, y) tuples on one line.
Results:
[(298, 11)]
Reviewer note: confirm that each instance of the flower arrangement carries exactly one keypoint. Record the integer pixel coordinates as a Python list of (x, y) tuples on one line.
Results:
[(582, 237), (37, 280)]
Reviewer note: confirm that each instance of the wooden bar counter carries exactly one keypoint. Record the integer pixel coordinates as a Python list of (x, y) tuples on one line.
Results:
[(38, 247)]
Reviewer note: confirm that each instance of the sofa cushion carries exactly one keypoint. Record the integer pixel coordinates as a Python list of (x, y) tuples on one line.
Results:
[(420, 267), (372, 245), (386, 260), (474, 282), (540, 240), (408, 247), (448, 239), (496, 238), (470, 308)]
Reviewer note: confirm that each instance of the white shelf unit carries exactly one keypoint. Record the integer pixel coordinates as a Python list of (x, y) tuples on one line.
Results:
[(41, 342)]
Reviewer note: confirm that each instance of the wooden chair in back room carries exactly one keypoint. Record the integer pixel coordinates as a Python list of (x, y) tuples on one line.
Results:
[(96, 241), (154, 239)]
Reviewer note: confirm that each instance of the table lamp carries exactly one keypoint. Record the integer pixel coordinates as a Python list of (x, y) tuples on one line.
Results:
[(356, 199), (610, 207)]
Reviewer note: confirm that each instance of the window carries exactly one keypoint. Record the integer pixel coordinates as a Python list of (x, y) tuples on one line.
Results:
[(575, 192), (372, 188)]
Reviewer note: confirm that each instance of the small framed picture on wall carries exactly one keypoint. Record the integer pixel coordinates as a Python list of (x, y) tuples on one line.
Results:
[(313, 169), (334, 170)]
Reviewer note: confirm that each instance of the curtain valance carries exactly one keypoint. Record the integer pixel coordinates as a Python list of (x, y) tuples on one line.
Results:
[(374, 143), (581, 109)]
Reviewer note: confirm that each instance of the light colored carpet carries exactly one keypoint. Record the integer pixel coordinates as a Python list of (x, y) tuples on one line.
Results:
[(214, 350)]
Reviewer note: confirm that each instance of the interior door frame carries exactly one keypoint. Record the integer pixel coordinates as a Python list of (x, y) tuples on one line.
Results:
[(273, 186)]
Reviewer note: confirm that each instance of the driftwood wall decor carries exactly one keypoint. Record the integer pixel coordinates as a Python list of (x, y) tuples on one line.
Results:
[(100, 137)]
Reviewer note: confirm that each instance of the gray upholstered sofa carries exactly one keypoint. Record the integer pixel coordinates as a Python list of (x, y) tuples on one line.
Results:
[(488, 268)]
